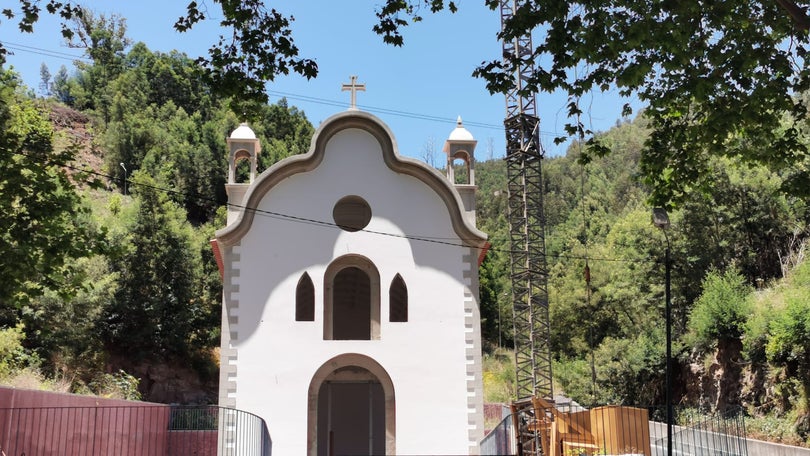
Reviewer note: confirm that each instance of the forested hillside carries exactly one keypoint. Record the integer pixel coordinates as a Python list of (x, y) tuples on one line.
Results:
[(739, 292), (112, 183)]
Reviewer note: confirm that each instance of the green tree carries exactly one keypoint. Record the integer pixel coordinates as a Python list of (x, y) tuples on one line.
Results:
[(285, 129), (742, 220), (256, 47), (628, 371), (44, 227), (64, 331), (45, 84), (64, 88), (495, 303), (495, 288), (711, 73), (104, 41), (13, 355), (717, 322), (156, 310)]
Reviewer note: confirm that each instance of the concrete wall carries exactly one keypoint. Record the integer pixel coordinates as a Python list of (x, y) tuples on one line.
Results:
[(760, 448)]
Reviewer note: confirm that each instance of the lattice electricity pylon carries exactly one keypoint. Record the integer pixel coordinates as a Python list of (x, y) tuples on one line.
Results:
[(528, 269), (529, 273)]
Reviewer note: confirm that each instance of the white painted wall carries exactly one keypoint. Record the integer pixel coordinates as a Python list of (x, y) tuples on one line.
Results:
[(426, 357)]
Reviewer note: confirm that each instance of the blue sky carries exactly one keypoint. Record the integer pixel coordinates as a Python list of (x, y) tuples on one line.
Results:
[(418, 89)]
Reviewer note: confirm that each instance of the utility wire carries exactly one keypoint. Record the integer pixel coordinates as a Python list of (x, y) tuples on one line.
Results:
[(45, 52), (309, 221), (587, 269), (395, 112), (293, 96)]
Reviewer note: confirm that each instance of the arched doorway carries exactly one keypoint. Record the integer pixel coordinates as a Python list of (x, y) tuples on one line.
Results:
[(351, 408)]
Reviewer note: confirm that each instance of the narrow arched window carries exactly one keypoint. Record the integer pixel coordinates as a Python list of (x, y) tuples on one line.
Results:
[(241, 167), (398, 300), (305, 299)]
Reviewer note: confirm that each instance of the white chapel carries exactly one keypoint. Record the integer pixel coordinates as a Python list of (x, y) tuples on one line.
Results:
[(350, 315)]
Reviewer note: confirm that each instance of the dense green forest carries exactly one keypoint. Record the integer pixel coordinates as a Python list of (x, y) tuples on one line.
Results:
[(110, 159), (113, 159)]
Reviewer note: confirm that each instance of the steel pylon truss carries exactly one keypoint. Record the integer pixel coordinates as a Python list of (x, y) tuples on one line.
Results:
[(529, 273)]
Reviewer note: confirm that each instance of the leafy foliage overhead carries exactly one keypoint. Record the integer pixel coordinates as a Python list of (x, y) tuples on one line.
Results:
[(256, 47), (259, 48), (719, 77), (711, 72)]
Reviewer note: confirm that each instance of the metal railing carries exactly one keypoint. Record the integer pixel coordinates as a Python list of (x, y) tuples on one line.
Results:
[(614, 430), (716, 435), (132, 430), (500, 440)]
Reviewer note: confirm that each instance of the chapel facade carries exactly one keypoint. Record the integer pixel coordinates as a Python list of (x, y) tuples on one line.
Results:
[(350, 315)]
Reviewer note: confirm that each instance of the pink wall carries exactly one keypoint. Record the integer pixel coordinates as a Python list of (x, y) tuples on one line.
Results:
[(38, 422)]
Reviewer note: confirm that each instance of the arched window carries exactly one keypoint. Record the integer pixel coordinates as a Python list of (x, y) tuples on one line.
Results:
[(242, 167), (305, 299), (461, 169), (351, 317), (351, 300), (398, 300)]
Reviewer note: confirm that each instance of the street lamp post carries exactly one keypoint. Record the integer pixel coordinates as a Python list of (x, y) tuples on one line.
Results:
[(125, 178), (661, 220)]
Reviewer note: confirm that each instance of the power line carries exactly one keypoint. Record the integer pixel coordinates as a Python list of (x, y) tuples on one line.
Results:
[(290, 95), (45, 52), (395, 112), (308, 221)]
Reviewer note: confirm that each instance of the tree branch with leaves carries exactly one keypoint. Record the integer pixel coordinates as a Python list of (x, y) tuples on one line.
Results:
[(719, 78)]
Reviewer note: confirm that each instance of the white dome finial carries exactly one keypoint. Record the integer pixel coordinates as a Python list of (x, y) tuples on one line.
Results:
[(243, 132), (460, 133)]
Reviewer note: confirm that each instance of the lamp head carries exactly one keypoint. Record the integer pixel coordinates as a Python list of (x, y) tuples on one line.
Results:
[(660, 218)]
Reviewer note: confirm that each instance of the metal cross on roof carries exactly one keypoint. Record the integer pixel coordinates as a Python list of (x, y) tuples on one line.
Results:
[(353, 87)]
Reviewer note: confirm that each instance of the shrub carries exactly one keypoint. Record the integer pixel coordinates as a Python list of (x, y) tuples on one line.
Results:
[(721, 311), (119, 385), (630, 371), (13, 356), (789, 346)]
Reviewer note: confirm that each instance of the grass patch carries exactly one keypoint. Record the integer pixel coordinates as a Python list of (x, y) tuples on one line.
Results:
[(499, 376), (773, 428)]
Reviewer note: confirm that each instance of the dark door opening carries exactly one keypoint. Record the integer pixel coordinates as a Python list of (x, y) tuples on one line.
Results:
[(351, 418), (351, 301)]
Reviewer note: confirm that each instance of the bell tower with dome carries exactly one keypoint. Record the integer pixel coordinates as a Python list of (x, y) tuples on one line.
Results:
[(460, 145), (242, 145)]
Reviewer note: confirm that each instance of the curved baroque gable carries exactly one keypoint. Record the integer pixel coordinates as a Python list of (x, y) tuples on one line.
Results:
[(231, 234)]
